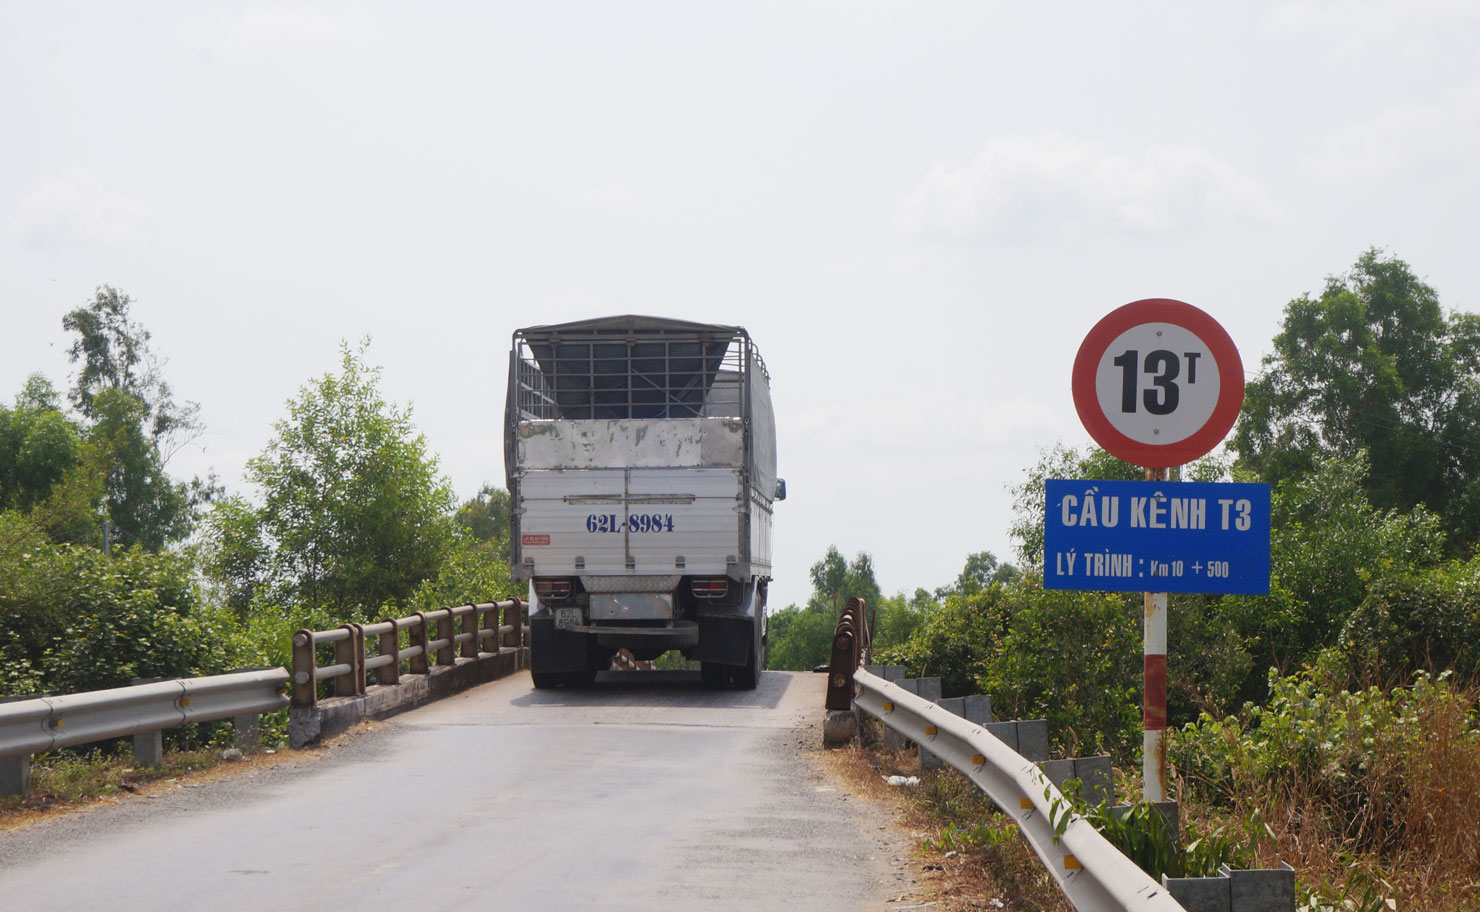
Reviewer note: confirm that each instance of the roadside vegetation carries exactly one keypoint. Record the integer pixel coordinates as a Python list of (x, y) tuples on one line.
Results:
[(1333, 723), (112, 570)]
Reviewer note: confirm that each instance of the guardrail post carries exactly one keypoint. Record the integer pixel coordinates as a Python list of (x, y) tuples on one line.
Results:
[(417, 634), (511, 619), (470, 626), (350, 651), (244, 729), (305, 670), (481, 613), (514, 617), (15, 775), (15, 772), (390, 645), (149, 748), (445, 655)]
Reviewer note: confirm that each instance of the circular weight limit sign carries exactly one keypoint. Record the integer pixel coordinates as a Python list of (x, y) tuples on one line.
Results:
[(1158, 383)]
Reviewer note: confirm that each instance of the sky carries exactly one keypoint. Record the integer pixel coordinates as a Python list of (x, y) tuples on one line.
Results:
[(918, 208)]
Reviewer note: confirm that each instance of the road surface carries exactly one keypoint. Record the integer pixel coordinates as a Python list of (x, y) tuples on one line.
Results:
[(646, 792)]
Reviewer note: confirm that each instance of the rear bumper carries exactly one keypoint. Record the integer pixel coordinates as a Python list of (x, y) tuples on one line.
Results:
[(725, 640), (681, 635)]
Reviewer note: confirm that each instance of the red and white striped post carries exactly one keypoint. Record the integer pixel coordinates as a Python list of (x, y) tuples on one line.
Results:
[(1154, 703)]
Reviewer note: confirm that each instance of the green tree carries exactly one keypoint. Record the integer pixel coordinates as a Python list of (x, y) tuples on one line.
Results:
[(355, 512), (801, 638), (112, 351), (486, 516), (1028, 495), (135, 423), (981, 570), (145, 505), (1374, 364), (47, 471)]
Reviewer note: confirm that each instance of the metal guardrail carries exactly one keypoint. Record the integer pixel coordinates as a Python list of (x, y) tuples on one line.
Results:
[(47, 723), (44, 724), (1091, 871), (433, 638)]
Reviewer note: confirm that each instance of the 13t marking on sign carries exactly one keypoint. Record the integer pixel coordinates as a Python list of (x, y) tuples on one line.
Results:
[(1158, 382)]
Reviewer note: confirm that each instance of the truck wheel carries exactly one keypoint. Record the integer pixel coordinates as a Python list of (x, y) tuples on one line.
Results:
[(713, 674), (581, 679)]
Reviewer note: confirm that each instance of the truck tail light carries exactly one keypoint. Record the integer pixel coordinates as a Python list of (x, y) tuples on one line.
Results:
[(554, 590), (716, 588)]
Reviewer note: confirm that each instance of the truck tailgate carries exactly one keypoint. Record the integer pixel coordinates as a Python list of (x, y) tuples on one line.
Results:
[(630, 521)]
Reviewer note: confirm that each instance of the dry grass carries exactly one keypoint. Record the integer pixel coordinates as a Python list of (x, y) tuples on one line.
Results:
[(72, 784), (970, 857), (1387, 811)]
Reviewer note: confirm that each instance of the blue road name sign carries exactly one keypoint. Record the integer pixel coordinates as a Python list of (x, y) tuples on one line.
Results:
[(1154, 536)]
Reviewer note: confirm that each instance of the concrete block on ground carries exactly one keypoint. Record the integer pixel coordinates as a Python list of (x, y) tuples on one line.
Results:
[(1006, 732), (1032, 736), (1199, 894), (15, 775), (1093, 773), (1264, 890), (956, 706), (893, 739), (929, 689), (1097, 776), (1170, 815), (839, 727), (1058, 771), (978, 708)]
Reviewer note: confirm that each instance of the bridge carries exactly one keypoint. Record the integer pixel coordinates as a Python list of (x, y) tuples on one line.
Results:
[(648, 791)]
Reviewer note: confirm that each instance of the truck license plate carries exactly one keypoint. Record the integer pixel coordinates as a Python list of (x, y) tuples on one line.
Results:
[(567, 617)]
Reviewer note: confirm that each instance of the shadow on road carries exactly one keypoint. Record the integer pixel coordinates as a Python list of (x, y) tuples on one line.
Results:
[(661, 688)]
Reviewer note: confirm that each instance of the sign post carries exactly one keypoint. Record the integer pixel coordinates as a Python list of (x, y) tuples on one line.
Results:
[(1157, 383)]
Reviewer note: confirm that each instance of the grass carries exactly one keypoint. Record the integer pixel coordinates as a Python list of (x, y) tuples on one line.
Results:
[(1373, 796), (67, 781), (972, 857)]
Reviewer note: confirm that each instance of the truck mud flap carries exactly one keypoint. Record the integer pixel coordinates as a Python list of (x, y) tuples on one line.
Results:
[(555, 650), (725, 640)]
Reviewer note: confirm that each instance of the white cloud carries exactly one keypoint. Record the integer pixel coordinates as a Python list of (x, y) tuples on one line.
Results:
[(1424, 135), (1057, 188), (337, 27), (75, 209)]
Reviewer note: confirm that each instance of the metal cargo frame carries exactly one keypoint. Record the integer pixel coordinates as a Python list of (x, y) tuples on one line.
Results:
[(637, 368)]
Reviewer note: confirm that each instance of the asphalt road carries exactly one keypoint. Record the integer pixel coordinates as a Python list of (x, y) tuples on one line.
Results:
[(644, 793)]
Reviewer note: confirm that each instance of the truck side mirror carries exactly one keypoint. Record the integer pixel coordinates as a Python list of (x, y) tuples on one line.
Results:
[(780, 489)]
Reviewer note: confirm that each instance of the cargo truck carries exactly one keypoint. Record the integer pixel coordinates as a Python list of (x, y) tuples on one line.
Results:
[(640, 455)]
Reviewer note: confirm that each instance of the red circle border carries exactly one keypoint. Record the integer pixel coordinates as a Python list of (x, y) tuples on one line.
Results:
[(1230, 377)]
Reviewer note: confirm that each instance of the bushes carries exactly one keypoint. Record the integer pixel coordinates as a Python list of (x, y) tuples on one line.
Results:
[(80, 620), (1392, 776)]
